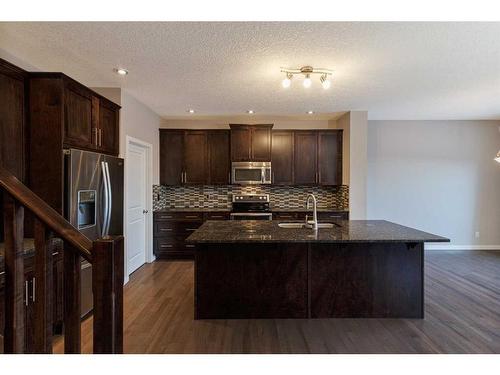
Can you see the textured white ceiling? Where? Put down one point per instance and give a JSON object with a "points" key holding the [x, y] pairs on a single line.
{"points": [[392, 70]]}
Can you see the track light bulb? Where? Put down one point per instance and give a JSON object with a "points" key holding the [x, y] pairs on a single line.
{"points": [[286, 82], [307, 81], [325, 82]]}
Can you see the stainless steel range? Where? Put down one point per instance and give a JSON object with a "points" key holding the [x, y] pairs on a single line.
{"points": [[251, 207]]}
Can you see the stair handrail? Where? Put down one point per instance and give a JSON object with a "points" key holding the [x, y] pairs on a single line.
{"points": [[46, 214]]}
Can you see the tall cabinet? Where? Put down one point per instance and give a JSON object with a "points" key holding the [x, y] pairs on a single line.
{"points": [[65, 114]]}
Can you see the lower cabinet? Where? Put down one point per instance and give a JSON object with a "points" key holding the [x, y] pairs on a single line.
{"points": [[172, 228], [301, 215], [29, 295]]}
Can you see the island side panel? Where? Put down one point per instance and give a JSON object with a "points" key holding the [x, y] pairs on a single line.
{"points": [[367, 280], [236, 281]]}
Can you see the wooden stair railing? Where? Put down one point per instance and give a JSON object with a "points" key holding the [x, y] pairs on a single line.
{"points": [[105, 255]]}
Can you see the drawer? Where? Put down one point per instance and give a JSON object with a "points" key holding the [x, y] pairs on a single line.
{"points": [[284, 215], [333, 216], [216, 216], [175, 228], [173, 248], [168, 216]]}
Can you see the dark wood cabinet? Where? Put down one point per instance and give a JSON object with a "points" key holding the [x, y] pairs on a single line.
{"points": [[241, 138], [88, 120], [65, 114], [298, 157], [306, 158], [282, 157], [250, 142], [108, 127], [195, 157], [218, 157], [12, 118], [171, 155], [330, 157], [261, 143], [29, 295], [78, 130], [172, 228], [318, 157], [323, 216]]}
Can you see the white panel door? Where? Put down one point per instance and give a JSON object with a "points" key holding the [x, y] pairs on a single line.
{"points": [[136, 206]]}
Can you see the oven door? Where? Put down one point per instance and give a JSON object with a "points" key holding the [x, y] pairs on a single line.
{"points": [[251, 216]]}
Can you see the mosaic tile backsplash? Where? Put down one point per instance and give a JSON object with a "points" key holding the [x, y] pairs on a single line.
{"points": [[208, 196]]}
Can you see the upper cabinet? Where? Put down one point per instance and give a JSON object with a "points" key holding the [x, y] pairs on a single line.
{"points": [[318, 157], [218, 157], [194, 157], [298, 157], [171, 157], [330, 157], [78, 129], [282, 157], [251, 142], [12, 118], [108, 140], [89, 121], [306, 157]]}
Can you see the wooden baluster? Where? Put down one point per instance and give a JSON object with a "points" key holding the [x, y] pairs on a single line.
{"points": [[43, 289], [72, 301], [107, 287], [14, 275]]}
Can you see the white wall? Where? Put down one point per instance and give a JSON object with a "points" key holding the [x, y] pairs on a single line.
{"points": [[138, 121], [437, 176]]}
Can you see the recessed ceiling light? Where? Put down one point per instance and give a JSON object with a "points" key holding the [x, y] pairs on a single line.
{"points": [[310, 112], [191, 110], [250, 112], [121, 71]]}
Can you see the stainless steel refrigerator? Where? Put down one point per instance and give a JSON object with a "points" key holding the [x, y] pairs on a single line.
{"points": [[93, 203]]}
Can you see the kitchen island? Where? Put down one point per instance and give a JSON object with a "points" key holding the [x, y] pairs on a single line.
{"points": [[357, 269]]}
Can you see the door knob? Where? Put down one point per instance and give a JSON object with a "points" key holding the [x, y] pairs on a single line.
{"points": [[145, 211]]}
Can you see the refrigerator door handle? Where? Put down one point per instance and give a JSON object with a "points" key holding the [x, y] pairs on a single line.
{"points": [[110, 197], [106, 199]]}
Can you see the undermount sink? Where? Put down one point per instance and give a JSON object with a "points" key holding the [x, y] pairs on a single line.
{"points": [[303, 225]]}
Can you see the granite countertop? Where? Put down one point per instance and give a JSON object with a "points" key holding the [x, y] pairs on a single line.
{"points": [[273, 209], [346, 231]]}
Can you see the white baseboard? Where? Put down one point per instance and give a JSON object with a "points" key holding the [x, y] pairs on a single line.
{"points": [[445, 246]]}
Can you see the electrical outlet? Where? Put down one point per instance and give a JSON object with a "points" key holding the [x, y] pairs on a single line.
{"points": [[157, 197], [476, 234]]}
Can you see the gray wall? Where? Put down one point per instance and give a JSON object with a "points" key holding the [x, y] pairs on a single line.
{"points": [[438, 176]]}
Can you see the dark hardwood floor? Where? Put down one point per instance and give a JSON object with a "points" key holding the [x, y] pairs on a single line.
{"points": [[462, 306]]}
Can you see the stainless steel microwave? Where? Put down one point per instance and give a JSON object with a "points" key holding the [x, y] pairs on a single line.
{"points": [[251, 173]]}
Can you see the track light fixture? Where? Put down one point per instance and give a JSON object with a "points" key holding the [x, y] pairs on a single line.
{"points": [[306, 71]]}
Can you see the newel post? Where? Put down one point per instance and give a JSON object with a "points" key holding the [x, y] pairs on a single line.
{"points": [[107, 287]]}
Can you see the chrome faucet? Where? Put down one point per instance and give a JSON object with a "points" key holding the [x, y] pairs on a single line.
{"points": [[314, 224]]}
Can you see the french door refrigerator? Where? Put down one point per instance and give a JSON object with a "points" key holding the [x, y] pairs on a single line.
{"points": [[93, 203]]}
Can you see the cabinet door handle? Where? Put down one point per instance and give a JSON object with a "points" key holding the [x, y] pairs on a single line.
{"points": [[26, 292], [100, 137], [94, 134], [165, 246], [166, 216], [33, 290], [165, 230], [216, 217], [191, 217], [189, 245], [191, 229], [185, 177]]}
